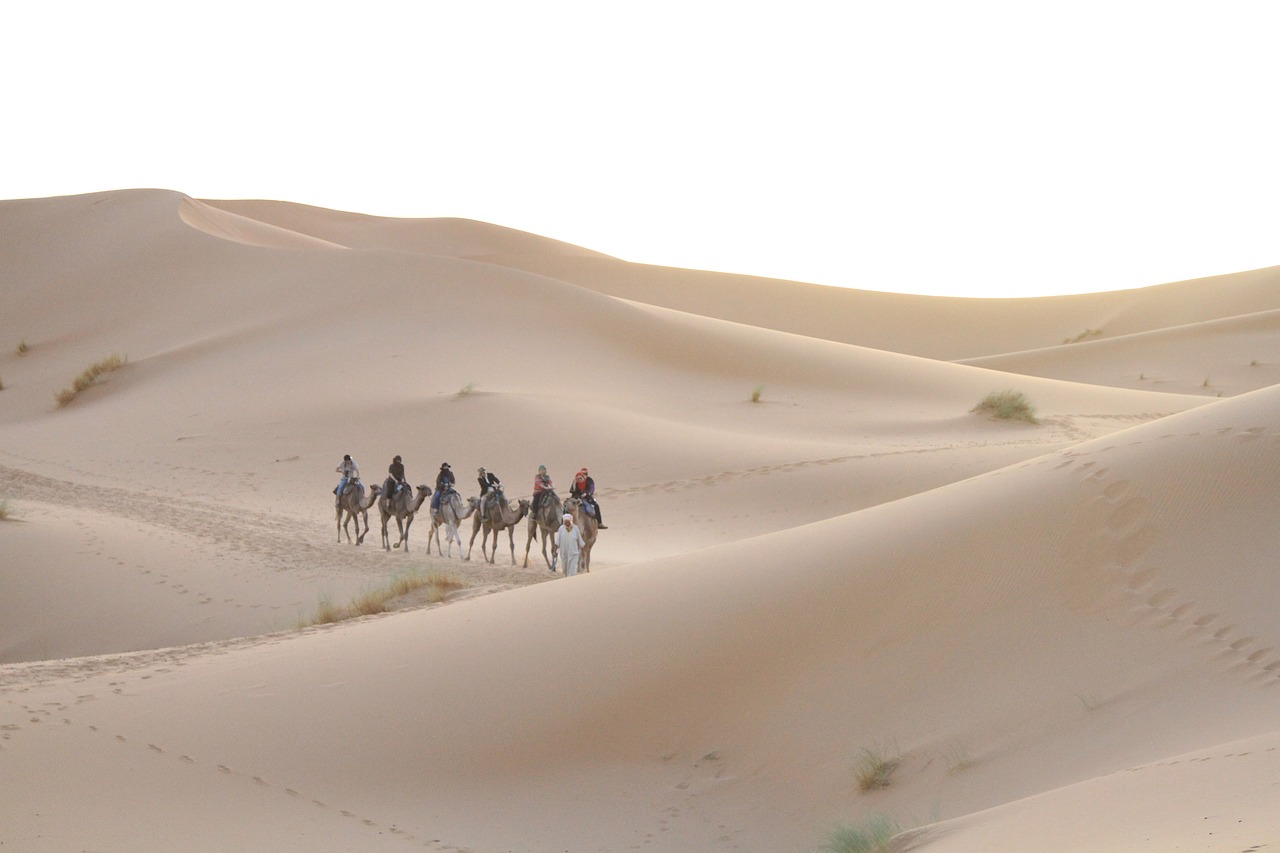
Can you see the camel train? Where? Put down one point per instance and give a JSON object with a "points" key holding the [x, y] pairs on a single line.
{"points": [[353, 503]]}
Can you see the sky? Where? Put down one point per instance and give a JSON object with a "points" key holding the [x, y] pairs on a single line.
{"points": [[987, 149]]}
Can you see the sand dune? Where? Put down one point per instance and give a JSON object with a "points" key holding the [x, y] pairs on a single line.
{"points": [[1063, 632]]}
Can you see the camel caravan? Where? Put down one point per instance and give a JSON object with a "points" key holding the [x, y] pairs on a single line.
{"points": [[574, 520]]}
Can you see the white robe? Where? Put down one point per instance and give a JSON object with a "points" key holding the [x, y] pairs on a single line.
{"points": [[570, 543]]}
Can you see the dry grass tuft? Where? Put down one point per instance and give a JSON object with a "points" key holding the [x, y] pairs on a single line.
{"points": [[23, 349], [875, 768], [90, 377], [756, 392], [1083, 336], [1007, 405], [374, 601], [6, 514], [957, 757]]}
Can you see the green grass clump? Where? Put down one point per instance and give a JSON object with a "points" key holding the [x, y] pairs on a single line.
{"points": [[467, 390], [1007, 406], [89, 377], [872, 835], [374, 601]]}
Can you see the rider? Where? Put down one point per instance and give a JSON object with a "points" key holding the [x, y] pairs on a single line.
{"points": [[349, 471], [395, 479], [444, 482], [584, 489], [541, 488], [489, 485]]}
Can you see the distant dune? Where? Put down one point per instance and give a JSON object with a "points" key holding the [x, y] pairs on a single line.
{"points": [[1058, 636]]}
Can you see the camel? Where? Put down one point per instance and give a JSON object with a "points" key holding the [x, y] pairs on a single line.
{"points": [[403, 507], [587, 524], [349, 503], [501, 517], [546, 521], [449, 515]]}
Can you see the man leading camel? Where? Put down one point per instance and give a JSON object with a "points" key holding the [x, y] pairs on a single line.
{"points": [[570, 543]]}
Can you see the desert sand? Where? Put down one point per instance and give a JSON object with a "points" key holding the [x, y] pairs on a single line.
{"points": [[1060, 635]]}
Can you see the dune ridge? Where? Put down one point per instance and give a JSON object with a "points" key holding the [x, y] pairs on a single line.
{"points": [[1063, 632]]}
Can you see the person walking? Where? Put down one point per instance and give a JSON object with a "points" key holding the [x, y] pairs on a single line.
{"points": [[570, 543]]}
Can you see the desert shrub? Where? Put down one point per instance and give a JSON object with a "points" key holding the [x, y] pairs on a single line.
{"points": [[875, 768], [1007, 405], [756, 392], [89, 377], [374, 601], [1083, 336], [5, 513], [871, 835], [957, 757], [22, 347], [467, 390], [326, 612]]}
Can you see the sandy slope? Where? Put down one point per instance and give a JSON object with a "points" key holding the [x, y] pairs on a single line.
{"points": [[1037, 618]]}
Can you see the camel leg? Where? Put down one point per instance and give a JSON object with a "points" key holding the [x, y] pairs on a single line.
{"points": [[360, 536], [511, 540], [404, 537], [400, 528], [533, 533], [339, 525], [475, 529], [386, 540]]}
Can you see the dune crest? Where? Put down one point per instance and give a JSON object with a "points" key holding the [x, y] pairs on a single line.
{"points": [[231, 226]]}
